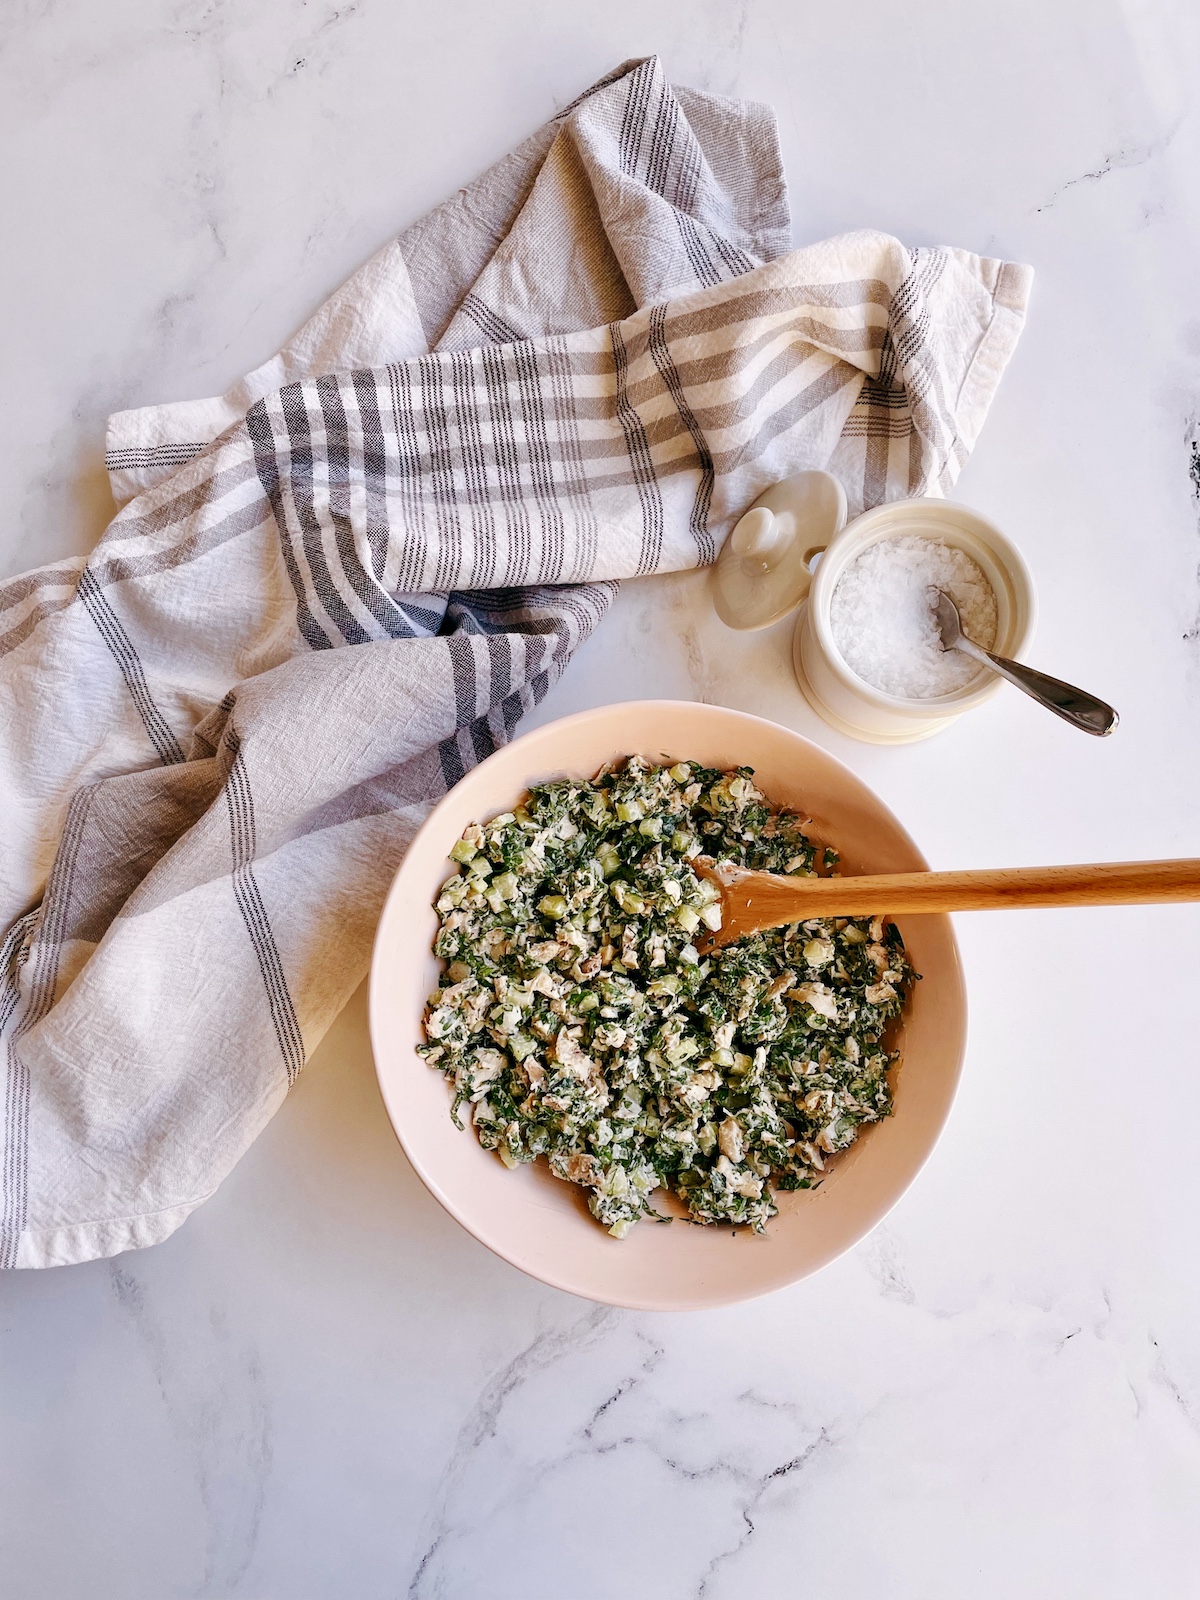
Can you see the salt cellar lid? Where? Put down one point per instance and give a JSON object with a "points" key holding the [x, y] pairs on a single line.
{"points": [[764, 570]]}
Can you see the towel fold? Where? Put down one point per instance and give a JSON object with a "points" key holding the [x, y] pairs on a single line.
{"points": [[580, 368]]}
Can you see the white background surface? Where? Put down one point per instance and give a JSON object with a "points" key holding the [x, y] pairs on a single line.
{"points": [[321, 1386]]}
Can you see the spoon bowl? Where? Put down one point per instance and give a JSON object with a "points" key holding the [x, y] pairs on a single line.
{"points": [[1081, 710]]}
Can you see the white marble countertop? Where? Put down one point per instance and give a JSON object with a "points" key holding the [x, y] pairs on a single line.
{"points": [[321, 1386]]}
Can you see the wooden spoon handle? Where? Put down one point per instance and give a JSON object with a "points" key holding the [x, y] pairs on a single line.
{"points": [[767, 900]]}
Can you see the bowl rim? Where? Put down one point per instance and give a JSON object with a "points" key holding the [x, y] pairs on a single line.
{"points": [[562, 1280]]}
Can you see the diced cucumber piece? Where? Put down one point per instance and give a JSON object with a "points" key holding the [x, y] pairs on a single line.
{"points": [[608, 856]]}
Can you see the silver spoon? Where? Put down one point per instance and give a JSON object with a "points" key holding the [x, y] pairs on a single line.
{"points": [[1081, 710]]}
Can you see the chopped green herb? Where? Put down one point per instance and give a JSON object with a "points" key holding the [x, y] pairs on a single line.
{"points": [[578, 1021]]}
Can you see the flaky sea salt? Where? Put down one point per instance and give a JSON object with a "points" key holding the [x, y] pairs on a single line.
{"points": [[883, 623]]}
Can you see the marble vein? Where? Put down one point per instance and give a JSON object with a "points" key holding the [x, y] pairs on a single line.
{"points": [[1119, 160], [634, 1427], [220, 1412]]}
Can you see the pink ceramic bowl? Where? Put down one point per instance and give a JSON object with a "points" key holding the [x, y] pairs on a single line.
{"points": [[541, 1224]]}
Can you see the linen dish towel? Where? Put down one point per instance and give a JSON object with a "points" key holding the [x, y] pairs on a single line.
{"points": [[339, 586]]}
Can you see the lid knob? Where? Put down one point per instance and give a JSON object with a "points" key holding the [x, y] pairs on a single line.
{"points": [[757, 535]]}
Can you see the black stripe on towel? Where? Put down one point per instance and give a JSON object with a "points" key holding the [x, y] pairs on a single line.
{"points": [[638, 447], [660, 350], [40, 933], [108, 625], [249, 899]]}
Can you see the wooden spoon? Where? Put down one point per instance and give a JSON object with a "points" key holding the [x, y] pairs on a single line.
{"points": [[751, 901]]}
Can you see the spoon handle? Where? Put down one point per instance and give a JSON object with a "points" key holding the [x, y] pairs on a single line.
{"points": [[1081, 710], [755, 900]]}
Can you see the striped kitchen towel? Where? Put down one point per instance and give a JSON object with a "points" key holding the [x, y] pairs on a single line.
{"points": [[582, 367]]}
